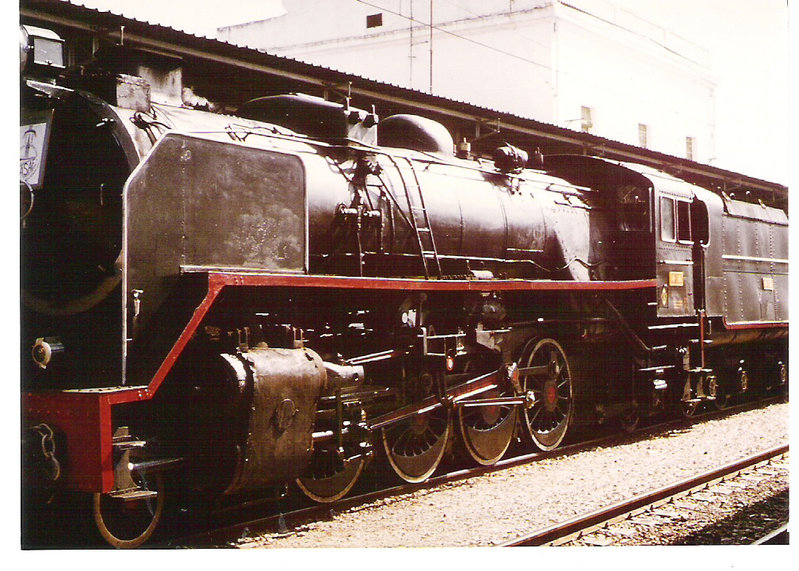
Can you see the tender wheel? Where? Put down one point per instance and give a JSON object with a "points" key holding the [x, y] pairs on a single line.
{"points": [[129, 522], [549, 381], [629, 420], [722, 400], [330, 477], [487, 431], [415, 446], [781, 387], [688, 409]]}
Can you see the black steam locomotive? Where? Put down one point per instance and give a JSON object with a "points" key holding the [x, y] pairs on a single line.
{"points": [[218, 305]]}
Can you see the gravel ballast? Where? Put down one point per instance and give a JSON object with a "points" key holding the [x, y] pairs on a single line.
{"points": [[498, 507]]}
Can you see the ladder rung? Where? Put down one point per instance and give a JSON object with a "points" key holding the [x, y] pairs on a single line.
{"points": [[415, 198]]}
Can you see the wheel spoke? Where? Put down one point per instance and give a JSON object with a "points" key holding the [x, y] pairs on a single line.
{"points": [[537, 412]]}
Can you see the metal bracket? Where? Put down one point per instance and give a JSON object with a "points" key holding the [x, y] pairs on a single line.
{"points": [[488, 123]]}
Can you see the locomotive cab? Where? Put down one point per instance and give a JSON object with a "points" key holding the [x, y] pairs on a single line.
{"points": [[661, 229], [674, 251], [627, 200], [688, 248]]}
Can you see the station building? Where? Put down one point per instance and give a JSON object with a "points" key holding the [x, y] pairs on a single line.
{"points": [[588, 66]]}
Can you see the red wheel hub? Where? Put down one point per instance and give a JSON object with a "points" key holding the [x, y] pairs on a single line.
{"points": [[550, 395]]}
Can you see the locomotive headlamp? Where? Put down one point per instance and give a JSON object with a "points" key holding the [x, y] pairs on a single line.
{"points": [[44, 348], [41, 50]]}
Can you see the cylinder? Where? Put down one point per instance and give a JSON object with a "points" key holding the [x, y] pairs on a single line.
{"points": [[276, 414]]}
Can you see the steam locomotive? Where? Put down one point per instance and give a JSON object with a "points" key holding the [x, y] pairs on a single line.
{"points": [[218, 305]]}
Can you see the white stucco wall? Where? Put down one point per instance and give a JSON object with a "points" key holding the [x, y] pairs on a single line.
{"points": [[507, 78], [544, 60], [628, 81], [312, 21]]}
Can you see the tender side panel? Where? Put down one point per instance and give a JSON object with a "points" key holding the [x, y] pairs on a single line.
{"points": [[755, 262]]}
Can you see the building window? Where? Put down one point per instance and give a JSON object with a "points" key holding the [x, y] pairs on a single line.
{"points": [[643, 135], [586, 119], [374, 20], [690, 143]]}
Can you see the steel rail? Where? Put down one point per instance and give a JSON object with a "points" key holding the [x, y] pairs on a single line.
{"points": [[779, 536], [621, 510], [282, 521]]}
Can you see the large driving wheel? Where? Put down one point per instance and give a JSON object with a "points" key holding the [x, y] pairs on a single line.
{"points": [[487, 431], [416, 445], [128, 520], [330, 477], [548, 379]]}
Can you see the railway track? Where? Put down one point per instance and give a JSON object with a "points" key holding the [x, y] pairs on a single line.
{"points": [[586, 525], [779, 536], [286, 520]]}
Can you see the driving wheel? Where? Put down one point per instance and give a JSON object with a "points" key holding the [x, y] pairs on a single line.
{"points": [[546, 378], [416, 445], [487, 431], [330, 477], [629, 420]]}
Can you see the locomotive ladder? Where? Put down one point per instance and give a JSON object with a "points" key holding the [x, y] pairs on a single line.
{"points": [[419, 219]]}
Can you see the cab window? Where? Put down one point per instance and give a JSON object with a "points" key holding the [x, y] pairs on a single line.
{"points": [[633, 208], [684, 221], [667, 220]]}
